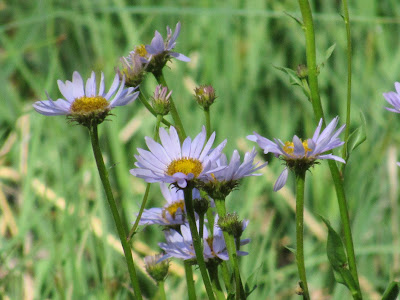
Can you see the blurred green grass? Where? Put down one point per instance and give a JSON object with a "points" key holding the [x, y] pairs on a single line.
{"points": [[52, 251]]}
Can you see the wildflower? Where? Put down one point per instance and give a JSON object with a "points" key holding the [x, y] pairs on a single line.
{"points": [[222, 182], [84, 103], [180, 245], [172, 213], [231, 224], [161, 103], [301, 155], [394, 99], [157, 270], [205, 95], [159, 47], [133, 68], [170, 162]]}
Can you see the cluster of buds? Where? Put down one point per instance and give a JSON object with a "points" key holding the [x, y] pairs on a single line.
{"points": [[205, 96]]}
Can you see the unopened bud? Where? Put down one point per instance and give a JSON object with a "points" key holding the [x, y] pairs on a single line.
{"points": [[161, 103], [302, 71], [205, 95], [157, 270]]}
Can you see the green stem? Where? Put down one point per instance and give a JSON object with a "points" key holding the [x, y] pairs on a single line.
{"points": [[308, 27], [189, 280], [198, 249], [231, 247], [142, 99], [300, 178], [201, 226], [226, 276], [208, 122], [213, 271], [346, 18], [161, 290], [146, 193], [117, 220], [174, 113]]}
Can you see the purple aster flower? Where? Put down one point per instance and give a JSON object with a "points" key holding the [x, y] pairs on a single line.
{"points": [[159, 46], [393, 98], [301, 152], [170, 162], [172, 213], [180, 245], [85, 102]]}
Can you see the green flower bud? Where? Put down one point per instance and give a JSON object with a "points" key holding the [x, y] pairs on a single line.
{"points": [[157, 271]]}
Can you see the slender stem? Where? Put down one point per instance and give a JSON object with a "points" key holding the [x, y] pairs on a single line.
{"points": [[226, 276], [231, 247], [349, 51], [300, 178], [213, 271], [189, 280], [142, 99], [198, 249], [146, 193], [201, 226], [117, 220], [174, 113], [308, 27], [208, 121], [161, 290]]}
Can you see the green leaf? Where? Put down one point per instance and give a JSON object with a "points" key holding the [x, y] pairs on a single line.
{"points": [[291, 250], [251, 282], [392, 291], [357, 137], [335, 249], [295, 80], [328, 54], [338, 259], [298, 21]]}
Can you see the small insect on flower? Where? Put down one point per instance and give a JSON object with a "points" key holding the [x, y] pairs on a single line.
{"points": [[84, 103], [170, 162], [301, 155]]}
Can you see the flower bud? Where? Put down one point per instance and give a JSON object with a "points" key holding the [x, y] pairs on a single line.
{"points": [[133, 68], [231, 224], [302, 71], [201, 206], [157, 270], [205, 95], [161, 103]]}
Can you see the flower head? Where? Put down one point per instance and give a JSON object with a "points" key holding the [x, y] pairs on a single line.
{"points": [[221, 183], [299, 154], [158, 270], [160, 47], [86, 104], [180, 245], [133, 68], [170, 162], [394, 99], [205, 95], [172, 213], [161, 102]]}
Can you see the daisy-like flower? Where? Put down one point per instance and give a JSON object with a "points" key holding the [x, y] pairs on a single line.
{"points": [[299, 154], [160, 47], [172, 213], [170, 162], [394, 99], [222, 182], [84, 103], [180, 245]]}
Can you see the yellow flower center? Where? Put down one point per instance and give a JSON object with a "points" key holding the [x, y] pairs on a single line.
{"points": [[141, 50], [185, 165], [289, 147], [173, 208], [85, 105]]}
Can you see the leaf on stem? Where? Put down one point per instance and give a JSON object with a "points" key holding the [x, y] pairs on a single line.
{"points": [[392, 291], [251, 282], [294, 79], [338, 258]]}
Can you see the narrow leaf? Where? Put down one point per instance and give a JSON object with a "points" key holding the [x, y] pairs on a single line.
{"points": [[392, 291], [357, 137]]}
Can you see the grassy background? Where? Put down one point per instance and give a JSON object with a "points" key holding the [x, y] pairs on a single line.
{"points": [[57, 240]]}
